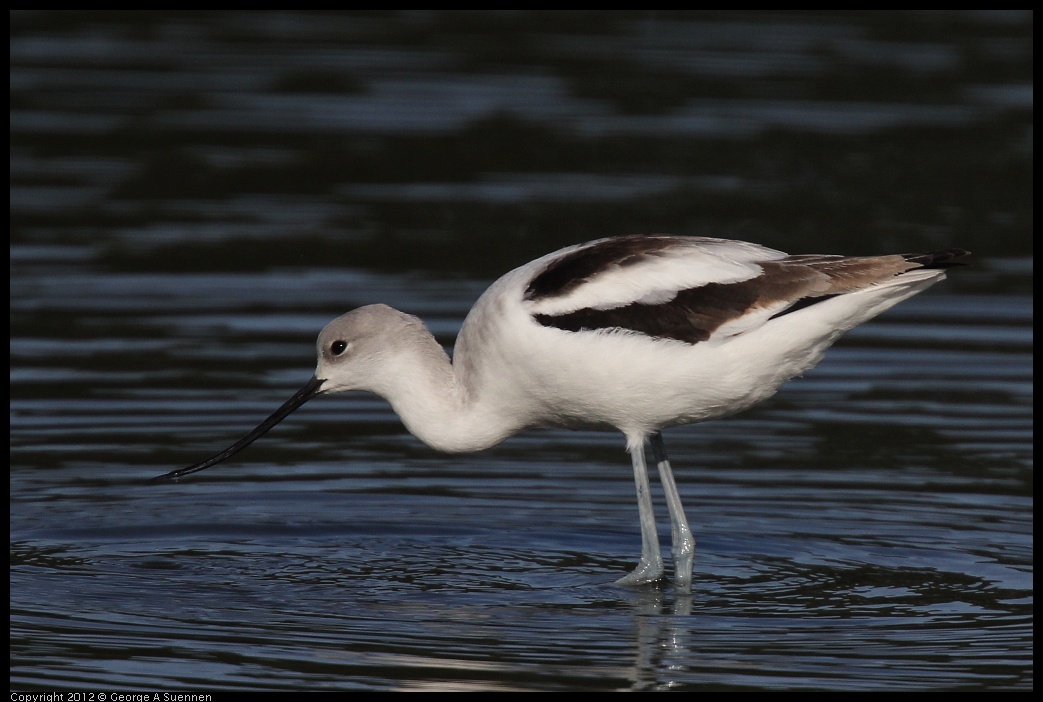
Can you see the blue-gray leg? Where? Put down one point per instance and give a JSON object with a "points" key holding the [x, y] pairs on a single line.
{"points": [[683, 543], [650, 568]]}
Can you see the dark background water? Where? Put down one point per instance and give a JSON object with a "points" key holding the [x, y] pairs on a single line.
{"points": [[194, 195]]}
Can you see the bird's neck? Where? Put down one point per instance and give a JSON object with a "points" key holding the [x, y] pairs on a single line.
{"points": [[436, 406]]}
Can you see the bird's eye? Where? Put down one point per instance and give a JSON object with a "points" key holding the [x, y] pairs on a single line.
{"points": [[338, 347]]}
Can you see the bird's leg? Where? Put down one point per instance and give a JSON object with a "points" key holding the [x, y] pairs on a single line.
{"points": [[650, 568], [683, 543]]}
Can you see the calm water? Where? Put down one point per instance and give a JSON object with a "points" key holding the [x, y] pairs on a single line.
{"points": [[194, 196]]}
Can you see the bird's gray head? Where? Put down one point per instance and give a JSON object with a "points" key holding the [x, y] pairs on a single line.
{"points": [[358, 349]]}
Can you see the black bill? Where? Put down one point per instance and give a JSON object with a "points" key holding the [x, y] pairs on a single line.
{"points": [[310, 390]]}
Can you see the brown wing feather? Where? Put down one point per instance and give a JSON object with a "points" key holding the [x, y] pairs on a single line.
{"points": [[787, 284]]}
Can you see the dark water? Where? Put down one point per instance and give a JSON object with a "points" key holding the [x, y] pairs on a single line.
{"points": [[193, 196]]}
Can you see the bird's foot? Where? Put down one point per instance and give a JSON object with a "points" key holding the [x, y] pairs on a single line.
{"points": [[647, 571], [684, 558]]}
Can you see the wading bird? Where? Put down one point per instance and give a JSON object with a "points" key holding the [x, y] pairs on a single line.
{"points": [[633, 333]]}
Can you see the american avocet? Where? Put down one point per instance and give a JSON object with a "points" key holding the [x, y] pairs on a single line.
{"points": [[634, 333]]}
